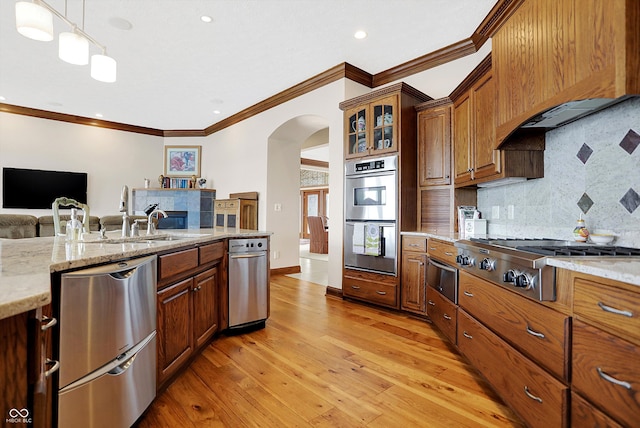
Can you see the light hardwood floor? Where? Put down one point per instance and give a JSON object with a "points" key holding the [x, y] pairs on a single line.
{"points": [[322, 361]]}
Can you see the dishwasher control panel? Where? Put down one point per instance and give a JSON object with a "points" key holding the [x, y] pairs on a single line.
{"points": [[250, 245]]}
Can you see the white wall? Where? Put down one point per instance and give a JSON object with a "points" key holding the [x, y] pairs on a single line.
{"points": [[111, 158]]}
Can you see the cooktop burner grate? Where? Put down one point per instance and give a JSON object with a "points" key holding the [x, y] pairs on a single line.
{"points": [[580, 250]]}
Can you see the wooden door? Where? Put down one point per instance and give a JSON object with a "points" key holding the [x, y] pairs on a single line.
{"points": [[384, 117], [486, 159], [356, 135], [205, 306], [462, 140], [174, 329], [434, 146], [314, 203], [413, 282]]}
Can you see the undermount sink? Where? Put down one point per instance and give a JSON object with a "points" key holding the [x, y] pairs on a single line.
{"points": [[147, 238]]}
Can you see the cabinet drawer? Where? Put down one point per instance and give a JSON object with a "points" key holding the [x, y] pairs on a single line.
{"points": [[414, 243], [443, 251], [534, 329], [443, 313], [382, 294], [614, 309], [536, 396], [583, 414], [211, 252], [175, 263], [606, 370]]}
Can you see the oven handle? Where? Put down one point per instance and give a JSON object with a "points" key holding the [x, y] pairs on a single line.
{"points": [[441, 266]]}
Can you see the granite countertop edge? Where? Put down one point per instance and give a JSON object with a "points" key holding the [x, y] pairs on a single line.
{"points": [[26, 265]]}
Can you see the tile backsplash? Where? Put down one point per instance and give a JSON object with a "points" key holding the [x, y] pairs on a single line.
{"points": [[592, 168]]}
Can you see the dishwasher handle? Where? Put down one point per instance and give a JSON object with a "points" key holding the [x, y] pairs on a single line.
{"points": [[248, 255]]}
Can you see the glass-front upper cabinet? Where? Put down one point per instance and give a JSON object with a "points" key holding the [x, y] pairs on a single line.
{"points": [[371, 128]]}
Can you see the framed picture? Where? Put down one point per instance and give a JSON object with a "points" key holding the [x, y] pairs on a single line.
{"points": [[182, 161]]}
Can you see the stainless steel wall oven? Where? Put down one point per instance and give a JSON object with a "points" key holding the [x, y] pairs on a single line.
{"points": [[371, 213]]}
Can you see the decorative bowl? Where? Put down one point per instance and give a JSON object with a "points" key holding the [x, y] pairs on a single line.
{"points": [[601, 238]]}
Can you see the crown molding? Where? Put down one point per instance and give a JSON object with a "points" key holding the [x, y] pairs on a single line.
{"points": [[78, 120]]}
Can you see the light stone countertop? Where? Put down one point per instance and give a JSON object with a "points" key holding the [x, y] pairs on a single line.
{"points": [[623, 269], [26, 265]]}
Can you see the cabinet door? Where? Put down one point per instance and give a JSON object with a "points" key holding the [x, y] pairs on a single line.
{"points": [[434, 146], [205, 306], [174, 329], [356, 137], [462, 140], [486, 159], [384, 125], [413, 282]]}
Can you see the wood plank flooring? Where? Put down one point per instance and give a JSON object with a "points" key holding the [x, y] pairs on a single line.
{"points": [[325, 362]]}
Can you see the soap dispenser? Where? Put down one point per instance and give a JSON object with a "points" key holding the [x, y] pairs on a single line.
{"points": [[74, 227], [580, 233]]}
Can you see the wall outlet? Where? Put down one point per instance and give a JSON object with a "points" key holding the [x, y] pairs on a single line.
{"points": [[495, 212], [276, 254], [511, 212], [277, 207]]}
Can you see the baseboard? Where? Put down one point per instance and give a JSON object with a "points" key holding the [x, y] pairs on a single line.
{"points": [[334, 292], [285, 270]]}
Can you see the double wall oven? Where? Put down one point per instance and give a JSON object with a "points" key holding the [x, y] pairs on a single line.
{"points": [[371, 213]]}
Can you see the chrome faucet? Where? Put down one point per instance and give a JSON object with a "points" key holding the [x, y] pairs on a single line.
{"points": [[151, 227], [124, 209]]}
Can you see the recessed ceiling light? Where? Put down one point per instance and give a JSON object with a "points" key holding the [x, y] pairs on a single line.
{"points": [[120, 23], [206, 18], [360, 34], [216, 112], [2, 98], [98, 114]]}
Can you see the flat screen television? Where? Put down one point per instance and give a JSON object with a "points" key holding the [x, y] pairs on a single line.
{"points": [[35, 188]]}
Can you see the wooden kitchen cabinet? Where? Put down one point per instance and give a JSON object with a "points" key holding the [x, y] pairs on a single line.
{"points": [[413, 274], [371, 287], [240, 213], [606, 348], [535, 330], [549, 52], [443, 313], [536, 396], [476, 158], [379, 122], [188, 305]]}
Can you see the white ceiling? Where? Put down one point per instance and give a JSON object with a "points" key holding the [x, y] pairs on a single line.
{"points": [[174, 70]]}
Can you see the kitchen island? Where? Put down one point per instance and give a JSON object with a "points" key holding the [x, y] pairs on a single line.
{"points": [[26, 265]]}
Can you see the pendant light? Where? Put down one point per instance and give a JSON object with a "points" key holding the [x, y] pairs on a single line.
{"points": [[103, 68], [73, 48], [34, 21]]}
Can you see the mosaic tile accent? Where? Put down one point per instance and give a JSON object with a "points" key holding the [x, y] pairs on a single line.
{"points": [[630, 200], [313, 178], [630, 141], [584, 153], [585, 203]]}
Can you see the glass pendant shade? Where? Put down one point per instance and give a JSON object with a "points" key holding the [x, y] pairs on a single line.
{"points": [[73, 48], [34, 21], [103, 68]]}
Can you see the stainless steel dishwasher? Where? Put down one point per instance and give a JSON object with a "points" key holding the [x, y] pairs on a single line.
{"points": [[248, 283], [107, 346]]}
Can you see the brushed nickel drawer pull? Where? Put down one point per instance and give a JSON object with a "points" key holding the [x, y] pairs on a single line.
{"points": [[612, 379], [614, 310], [534, 333], [382, 293], [355, 287], [432, 248], [414, 245], [466, 293], [447, 253], [530, 395], [431, 303], [50, 322], [56, 366], [447, 317], [467, 335]]}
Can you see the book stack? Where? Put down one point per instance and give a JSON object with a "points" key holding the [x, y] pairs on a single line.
{"points": [[177, 183]]}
